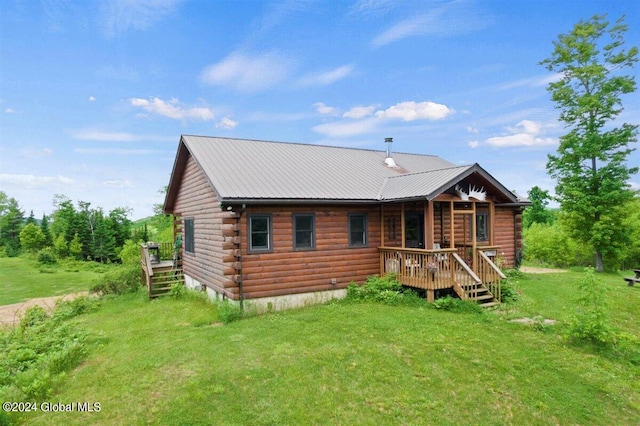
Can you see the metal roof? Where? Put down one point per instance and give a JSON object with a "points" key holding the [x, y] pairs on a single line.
{"points": [[242, 170]]}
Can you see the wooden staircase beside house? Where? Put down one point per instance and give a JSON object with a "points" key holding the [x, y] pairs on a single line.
{"points": [[159, 269]]}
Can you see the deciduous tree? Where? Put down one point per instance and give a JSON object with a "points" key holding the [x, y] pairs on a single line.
{"points": [[590, 166]]}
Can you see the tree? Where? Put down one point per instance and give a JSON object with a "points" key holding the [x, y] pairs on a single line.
{"points": [[590, 166], [11, 220], [31, 237], [537, 212], [44, 227]]}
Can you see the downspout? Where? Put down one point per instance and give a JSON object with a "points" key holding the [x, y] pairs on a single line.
{"points": [[240, 287]]}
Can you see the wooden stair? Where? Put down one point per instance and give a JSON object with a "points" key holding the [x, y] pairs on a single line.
{"points": [[480, 294], [163, 279]]}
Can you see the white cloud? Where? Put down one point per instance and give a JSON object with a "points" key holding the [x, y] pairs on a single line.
{"points": [[248, 73], [350, 128], [473, 129], [538, 81], [323, 109], [474, 144], [97, 135], [227, 123], [360, 112], [9, 111], [33, 181], [126, 183], [453, 18], [173, 109], [92, 98], [37, 153], [119, 16], [116, 151], [525, 133], [327, 77], [410, 111]]}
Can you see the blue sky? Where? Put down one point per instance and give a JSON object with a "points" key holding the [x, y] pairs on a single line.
{"points": [[95, 95]]}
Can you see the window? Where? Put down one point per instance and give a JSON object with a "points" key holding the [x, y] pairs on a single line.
{"points": [[357, 230], [482, 226], [303, 232], [189, 243], [259, 232]]}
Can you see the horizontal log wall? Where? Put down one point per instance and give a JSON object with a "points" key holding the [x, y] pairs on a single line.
{"points": [[508, 233], [287, 271], [212, 257]]}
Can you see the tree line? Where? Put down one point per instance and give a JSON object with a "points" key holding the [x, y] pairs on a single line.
{"points": [[77, 231]]}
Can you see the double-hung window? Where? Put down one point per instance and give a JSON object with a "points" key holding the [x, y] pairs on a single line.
{"points": [[357, 230], [304, 232], [482, 226], [260, 239]]}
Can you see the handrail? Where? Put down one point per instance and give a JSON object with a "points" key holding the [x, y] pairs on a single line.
{"points": [[492, 275]]}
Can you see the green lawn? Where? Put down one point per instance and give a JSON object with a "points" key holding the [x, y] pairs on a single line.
{"points": [[170, 362], [22, 279]]}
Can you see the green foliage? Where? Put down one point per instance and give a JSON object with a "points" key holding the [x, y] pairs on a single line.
{"points": [[591, 323], [61, 247], [386, 290], [31, 237], [11, 220], [538, 211], [551, 245], [130, 253], [178, 290], [35, 355], [46, 256], [228, 312], [508, 292], [453, 304], [590, 166], [75, 247], [119, 280]]}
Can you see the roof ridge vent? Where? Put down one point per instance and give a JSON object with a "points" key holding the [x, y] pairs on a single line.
{"points": [[389, 161]]}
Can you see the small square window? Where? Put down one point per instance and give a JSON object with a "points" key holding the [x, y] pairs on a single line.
{"points": [[357, 230], [259, 233], [303, 231]]}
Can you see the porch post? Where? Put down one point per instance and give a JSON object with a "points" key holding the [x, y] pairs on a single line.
{"points": [[452, 231], [402, 223], [382, 225], [428, 225], [474, 242]]}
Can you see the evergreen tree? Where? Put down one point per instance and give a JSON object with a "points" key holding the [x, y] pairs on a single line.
{"points": [[31, 219], [44, 227], [11, 222], [103, 247]]}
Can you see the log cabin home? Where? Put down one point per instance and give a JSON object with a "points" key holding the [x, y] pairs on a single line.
{"points": [[277, 225]]}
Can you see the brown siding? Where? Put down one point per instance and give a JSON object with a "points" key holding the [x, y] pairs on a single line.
{"points": [[196, 199], [508, 226], [287, 271]]}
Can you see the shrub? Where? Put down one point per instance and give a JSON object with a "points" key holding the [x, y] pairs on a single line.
{"points": [[591, 323], [119, 280], [387, 290], [228, 312], [453, 304], [46, 256], [34, 355]]}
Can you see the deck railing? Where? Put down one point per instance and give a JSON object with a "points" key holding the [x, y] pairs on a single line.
{"points": [[156, 259], [428, 269], [489, 272]]}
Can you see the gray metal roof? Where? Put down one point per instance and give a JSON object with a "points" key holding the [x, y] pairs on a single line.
{"points": [[244, 170]]}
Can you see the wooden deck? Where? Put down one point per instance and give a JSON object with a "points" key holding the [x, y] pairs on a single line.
{"points": [[433, 270], [160, 268]]}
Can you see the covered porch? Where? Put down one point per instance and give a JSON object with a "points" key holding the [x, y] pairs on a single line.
{"points": [[444, 243]]}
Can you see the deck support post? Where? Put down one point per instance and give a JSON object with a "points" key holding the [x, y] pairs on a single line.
{"points": [[431, 296]]}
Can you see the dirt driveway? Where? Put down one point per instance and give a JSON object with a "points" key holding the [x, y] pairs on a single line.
{"points": [[11, 314]]}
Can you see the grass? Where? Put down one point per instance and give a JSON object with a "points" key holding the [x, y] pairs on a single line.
{"points": [[22, 278], [170, 362]]}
